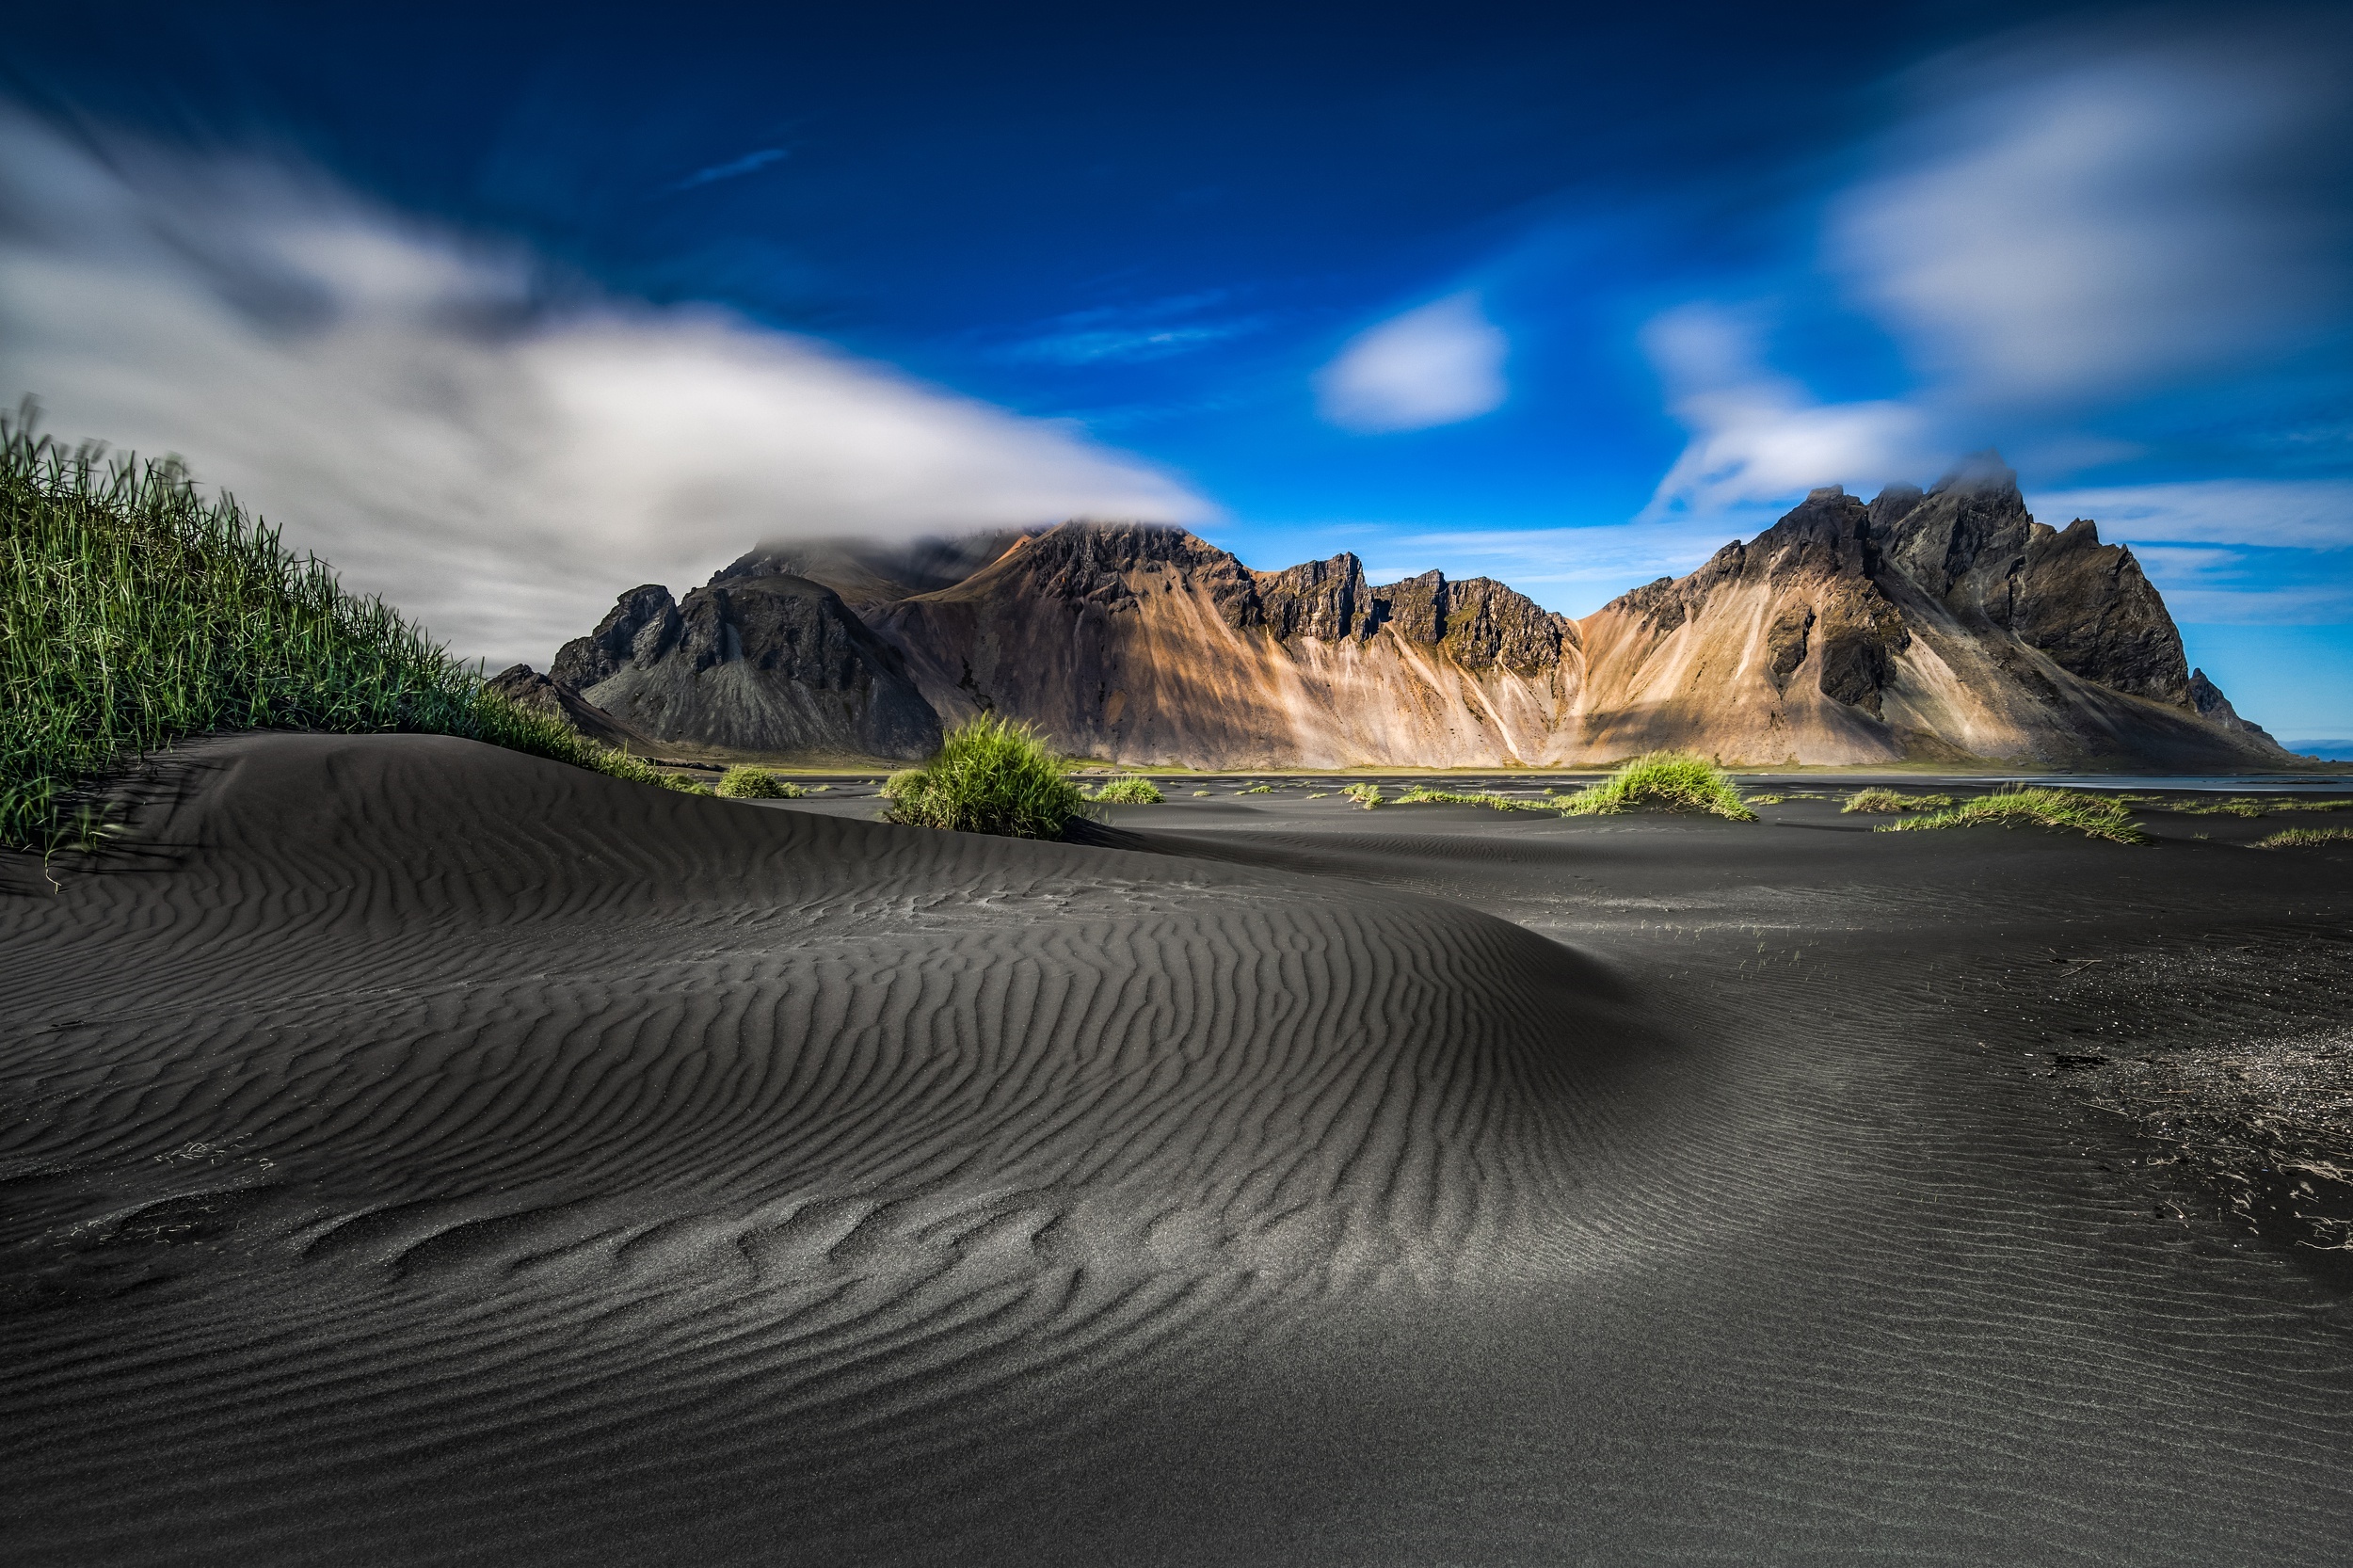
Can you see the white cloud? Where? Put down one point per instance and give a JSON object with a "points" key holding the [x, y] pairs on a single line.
{"points": [[2067, 221], [2301, 514], [496, 456], [2076, 215], [1439, 364], [1756, 435]]}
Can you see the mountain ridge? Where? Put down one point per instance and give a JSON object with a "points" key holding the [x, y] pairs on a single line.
{"points": [[1944, 625]]}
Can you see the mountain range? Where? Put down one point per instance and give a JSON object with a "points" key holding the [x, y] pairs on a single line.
{"points": [[1943, 626]]}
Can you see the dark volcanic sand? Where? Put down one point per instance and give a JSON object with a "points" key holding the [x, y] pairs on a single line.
{"points": [[418, 1153]]}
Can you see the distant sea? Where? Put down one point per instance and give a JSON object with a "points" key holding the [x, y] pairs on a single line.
{"points": [[2330, 751]]}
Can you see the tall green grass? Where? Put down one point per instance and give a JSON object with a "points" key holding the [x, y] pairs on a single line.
{"points": [[1424, 794], [1662, 781], [745, 782], [134, 614], [1130, 789], [990, 776], [2305, 838], [2096, 816]]}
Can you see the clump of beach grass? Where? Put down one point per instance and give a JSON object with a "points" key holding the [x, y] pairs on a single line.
{"points": [[1422, 794], [1131, 789], [2095, 816], [135, 614], [745, 782], [2237, 806], [1885, 801], [1662, 781], [1365, 795], [2305, 838], [990, 776]]}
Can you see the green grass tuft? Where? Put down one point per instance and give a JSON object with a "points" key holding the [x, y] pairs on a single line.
{"points": [[991, 776], [1131, 790], [2237, 806], [2096, 816], [2305, 838], [1365, 795], [1888, 801], [135, 614], [744, 782], [1422, 794], [1662, 781]]}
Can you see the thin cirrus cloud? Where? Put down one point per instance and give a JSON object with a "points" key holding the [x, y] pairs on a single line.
{"points": [[420, 409], [1129, 335], [750, 163], [1438, 364], [2075, 222]]}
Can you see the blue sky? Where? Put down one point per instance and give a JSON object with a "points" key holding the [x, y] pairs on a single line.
{"points": [[505, 310]]}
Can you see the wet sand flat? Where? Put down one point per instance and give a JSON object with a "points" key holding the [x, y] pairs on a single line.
{"points": [[418, 1153]]}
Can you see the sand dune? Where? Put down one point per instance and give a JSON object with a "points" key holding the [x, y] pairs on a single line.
{"points": [[421, 1153], [425, 1093]]}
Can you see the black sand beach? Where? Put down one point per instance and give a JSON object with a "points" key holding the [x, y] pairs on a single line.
{"points": [[418, 1153]]}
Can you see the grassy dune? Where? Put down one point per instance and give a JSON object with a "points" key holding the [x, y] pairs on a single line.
{"points": [[1662, 781], [135, 614], [2095, 816], [991, 776]]}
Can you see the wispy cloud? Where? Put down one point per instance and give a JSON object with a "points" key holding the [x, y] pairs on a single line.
{"points": [[750, 163], [1438, 364], [2080, 216], [2302, 514], [1756, 435], [2072, 222], [2215, 585], [409, 403], [1155, 330]]}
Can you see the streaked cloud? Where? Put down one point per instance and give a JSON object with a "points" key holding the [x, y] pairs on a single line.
{"points": [[1439, 364], [2075, 216], [2071, 222], [1155, 330], [1756, 435], [421, 408], [750, 163], [2303, 514]]}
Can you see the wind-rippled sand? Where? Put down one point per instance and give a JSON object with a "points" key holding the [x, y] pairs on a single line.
{"points": [[418, 1153]]}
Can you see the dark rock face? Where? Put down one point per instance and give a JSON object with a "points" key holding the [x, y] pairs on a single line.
{"points": [[1971, 544], [2216, 709], [1328, 599], [1821, 564], [771, 664], [527, 688], [640, 627], [1484, 624]]}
